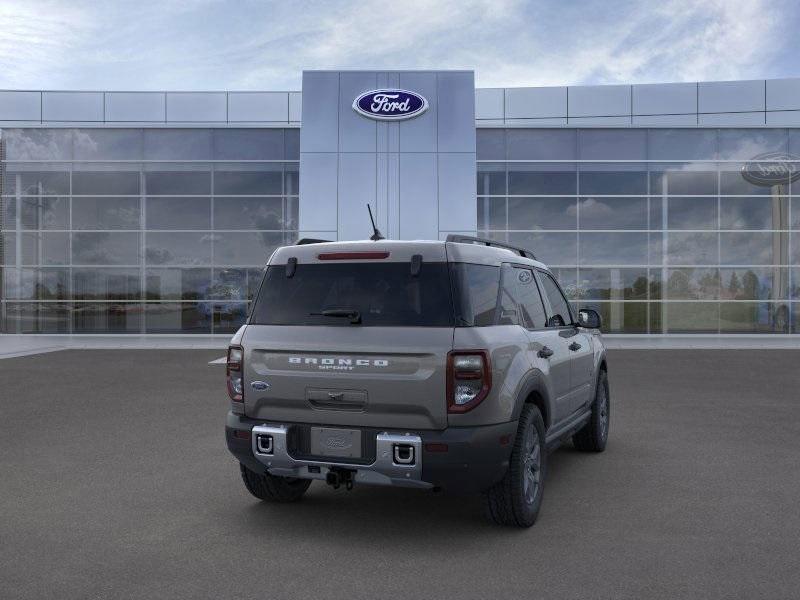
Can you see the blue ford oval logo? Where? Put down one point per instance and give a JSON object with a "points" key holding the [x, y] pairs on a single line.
{"points": [[259, 385], [390, 105]]}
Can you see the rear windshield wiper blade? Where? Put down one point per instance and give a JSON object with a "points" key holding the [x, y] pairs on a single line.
{"points": [[347, 313]]}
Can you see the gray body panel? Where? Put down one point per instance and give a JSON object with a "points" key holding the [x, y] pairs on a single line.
{"points": [[394, 379]]}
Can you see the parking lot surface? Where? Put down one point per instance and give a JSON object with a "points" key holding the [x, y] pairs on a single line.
{"points": [[115, 483]]}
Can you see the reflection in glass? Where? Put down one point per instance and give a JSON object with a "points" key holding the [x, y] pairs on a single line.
{"points": [[754, 317], [612, 249], [103, 248], [755, 283], [47, 248], [229, 284], [98, 183], [678, 182], [553, 249], [178, 183], [492, 213], [524, 182], [178, 284], [613, 284], [491, 179], [245, 248], [691, 213], [178, 144], [229, 317], [541, 144], [33, 317], [178, 248], [620, 317], [43, 183], [612, 144], [44, 212], [183, 317], [757, 212], [101, 317], [248, 144], [693, 284], [754, 248], [97, 283], [692, 248], [690, 317], [491, 144], [540, 213], [178, 213], [248, 213], [612, 213], [90, 212], [610, 183], [241, 182]]}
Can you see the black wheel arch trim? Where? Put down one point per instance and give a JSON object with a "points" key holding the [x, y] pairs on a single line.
{"points": [[534, 382]]}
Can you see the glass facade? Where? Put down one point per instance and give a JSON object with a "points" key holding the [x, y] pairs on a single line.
{"points": [[141, 230], [656, 229], [165, 230]]}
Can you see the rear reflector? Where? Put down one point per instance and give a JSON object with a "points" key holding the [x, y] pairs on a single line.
{"points": [[352, 255], [242, 434], [433, 447]]}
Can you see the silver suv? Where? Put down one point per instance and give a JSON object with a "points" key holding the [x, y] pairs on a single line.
{"points": [[451, 365]]}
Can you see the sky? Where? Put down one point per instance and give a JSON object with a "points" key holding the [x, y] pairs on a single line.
{"points": [[265, 45]]}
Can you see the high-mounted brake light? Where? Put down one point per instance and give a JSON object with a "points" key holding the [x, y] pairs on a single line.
{"points": [[352, 255], [234, 373], [469, 379]]}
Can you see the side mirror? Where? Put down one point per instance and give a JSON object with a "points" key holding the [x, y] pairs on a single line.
{"points": [[589, 319]]}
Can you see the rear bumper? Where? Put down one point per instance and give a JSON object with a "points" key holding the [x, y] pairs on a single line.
{"points": [[460, 459]]}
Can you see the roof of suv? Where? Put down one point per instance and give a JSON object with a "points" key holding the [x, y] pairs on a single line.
{"points": [[402, 251]]}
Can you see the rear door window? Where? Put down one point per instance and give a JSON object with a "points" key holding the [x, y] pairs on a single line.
{"points": [[561, 314], [475, 291], [383, 294]]}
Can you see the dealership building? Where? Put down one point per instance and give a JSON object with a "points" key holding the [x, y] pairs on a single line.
{"points": [[669, 208]]}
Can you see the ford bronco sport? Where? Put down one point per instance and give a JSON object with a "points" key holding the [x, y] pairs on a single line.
{"points": [[451, 364]]}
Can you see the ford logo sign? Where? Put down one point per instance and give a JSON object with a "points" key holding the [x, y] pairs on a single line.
{"points": [[390, 105], [772, 168]]}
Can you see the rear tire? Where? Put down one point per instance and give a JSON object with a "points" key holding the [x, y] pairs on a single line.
{"points": [[594, 435], [273, 489], [516, 499]]}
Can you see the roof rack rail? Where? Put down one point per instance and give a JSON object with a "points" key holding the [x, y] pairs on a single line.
{"points": [[466, 239], [304, 241]]}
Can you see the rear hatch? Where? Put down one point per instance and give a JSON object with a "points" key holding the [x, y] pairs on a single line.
{"points": [[353, 335]]}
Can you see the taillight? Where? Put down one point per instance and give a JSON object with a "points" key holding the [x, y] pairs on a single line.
{"points": [[234, 373], [469, 379]]}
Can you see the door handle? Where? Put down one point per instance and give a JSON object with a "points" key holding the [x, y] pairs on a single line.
{"points": [[574, 346], [545, 352]]}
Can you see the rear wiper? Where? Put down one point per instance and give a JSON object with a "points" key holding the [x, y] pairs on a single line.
{"points": [[348, 313]]}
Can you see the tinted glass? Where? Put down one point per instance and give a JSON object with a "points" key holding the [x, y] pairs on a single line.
{"points": [[178, 183], [475, 289], [248, 182], [178, 213], [248, 213], [559, 307], [384, 294], [105, 213], [520, 285], [117, 183], [106, 284], [44, 212]]}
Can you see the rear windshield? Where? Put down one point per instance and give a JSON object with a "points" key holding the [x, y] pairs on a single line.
{"points": [[383, 294]]}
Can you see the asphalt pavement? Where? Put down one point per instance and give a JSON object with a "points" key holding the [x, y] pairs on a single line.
{"points": [[115, 483]]}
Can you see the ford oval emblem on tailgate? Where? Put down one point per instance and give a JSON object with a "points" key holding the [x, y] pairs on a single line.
{"points": [[259, 385]]}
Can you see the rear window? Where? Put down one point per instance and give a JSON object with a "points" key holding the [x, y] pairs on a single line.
{"points": [[383, 293]]}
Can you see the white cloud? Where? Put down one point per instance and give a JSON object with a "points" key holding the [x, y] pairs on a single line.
{"points": [[208, 44]]}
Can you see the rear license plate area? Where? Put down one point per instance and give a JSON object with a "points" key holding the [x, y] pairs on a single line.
{"points": [[330, 441]]}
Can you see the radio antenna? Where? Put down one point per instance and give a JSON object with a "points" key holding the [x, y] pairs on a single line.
{"points": [[376, 235]]}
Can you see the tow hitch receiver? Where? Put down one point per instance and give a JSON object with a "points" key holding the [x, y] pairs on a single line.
{"points": [[337, 477]]}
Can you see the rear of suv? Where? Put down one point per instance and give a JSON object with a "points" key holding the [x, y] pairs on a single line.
{"points": [[451, 365]]}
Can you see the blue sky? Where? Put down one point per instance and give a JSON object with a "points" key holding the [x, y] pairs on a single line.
{"points": [[251, 45]]}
